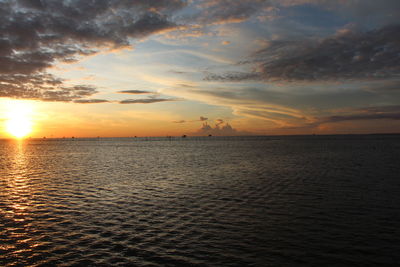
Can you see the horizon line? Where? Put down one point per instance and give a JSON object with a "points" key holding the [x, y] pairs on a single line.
{"points": [[190, 136]]}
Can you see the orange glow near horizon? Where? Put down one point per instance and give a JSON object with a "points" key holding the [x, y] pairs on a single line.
{"points": [[19, 119]]}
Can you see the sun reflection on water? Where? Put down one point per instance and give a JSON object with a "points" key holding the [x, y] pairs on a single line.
{"points": [[18, 182], [18, 199]]}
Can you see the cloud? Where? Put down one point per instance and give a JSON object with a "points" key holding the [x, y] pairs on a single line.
{"points": [[367, 113], [186, 85], [219, 122], [146, 100], [225, 130], [365, 11], [381, 109], [41, 86], [184, 121], [234, 76], [200, 119], [135, 92], [178, 72], [227, 11], [215, 12], [353, 55], [294, 106], [35, 35], [91, 101], [389, 86], [391, 116], [357, 116], [251, 98], [391, 112]]}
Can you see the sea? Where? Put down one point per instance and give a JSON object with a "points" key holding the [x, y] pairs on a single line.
{"points": [[201, 201]]}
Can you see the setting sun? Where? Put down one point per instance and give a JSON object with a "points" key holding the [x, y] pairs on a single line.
{"points": [[19, 122]]}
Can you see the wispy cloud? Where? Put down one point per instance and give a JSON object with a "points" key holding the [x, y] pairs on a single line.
{"points": [[184, 121], [367, 113], [135, 92], [146, 100], [91, 101], [353, 114], [226, 11]]}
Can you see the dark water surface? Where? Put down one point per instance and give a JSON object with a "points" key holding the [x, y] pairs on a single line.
{"points": [[259, 201]]}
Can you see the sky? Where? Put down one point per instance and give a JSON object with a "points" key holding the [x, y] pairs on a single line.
{"points": [[107, 68]]}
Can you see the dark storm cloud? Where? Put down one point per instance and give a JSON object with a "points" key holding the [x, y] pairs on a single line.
{"points": [[135, 92], [146, 100], [91, 101], [347, 56], [37, 34]]}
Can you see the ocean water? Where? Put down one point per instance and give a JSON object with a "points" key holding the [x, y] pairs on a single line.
{"points": [[244, 201]]}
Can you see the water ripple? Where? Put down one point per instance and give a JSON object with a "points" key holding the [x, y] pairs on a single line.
{"points": [[253, 201]]}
